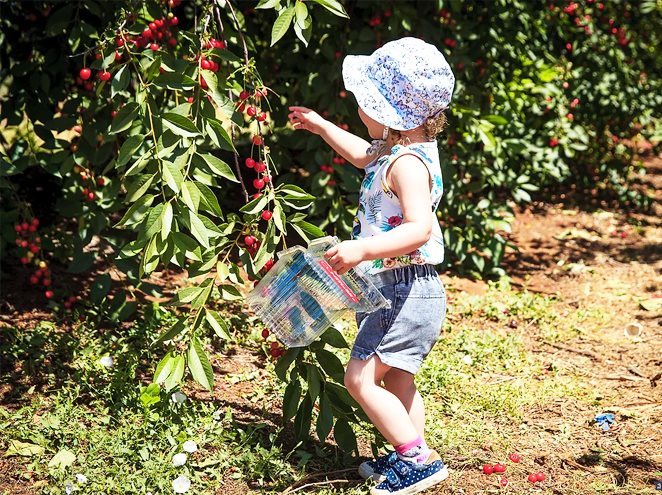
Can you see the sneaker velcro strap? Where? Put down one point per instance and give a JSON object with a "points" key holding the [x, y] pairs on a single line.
{"points": [[392, 478], [401, 468]]}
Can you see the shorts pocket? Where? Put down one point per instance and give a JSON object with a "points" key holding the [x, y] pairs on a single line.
{"points": [[421, 288]]}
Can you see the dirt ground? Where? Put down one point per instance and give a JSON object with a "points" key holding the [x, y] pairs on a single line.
{"points": [[604, 260]]}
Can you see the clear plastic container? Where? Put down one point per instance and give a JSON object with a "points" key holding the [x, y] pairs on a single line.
{"points": [[302, 296]]}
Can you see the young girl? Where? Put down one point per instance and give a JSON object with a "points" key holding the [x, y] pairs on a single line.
{"points": [[401, 90]]}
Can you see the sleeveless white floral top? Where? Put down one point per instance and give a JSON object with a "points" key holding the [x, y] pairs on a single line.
{"points": [[380, 211]]}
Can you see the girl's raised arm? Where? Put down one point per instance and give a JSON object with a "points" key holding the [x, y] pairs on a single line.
{"points": [[352, 148]]}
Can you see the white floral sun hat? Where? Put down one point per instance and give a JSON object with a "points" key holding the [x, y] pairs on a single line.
{"points": [[401, 84]]}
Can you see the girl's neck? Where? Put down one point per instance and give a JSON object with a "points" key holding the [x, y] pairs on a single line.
{"points": [[405, 138]]}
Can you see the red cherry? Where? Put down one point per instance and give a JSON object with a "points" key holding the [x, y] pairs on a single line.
{"points": [[34, 280], [257, 140], [17, 227], [34, 249], [540, 476], [25, 226], [488, 468], [119, 42], [249, 240], [275, 352], [258, 183], [46, 282], [147, 33], [251, 111], [189, 99], [152, 26], [267, 179], [172, 42], [154, 47], [85, 74], [205, 64], [174, 21], [266, 215], [203, 83], [113, 113], [90, 196], [503, 482], [243, 95], [553, 142], [101, 181], [533, 478], [35, 222], [566, 85], [48, 294], [570, 116], [265, 333], [67, 305], [499, 468], [250, 163], [25, 260], [260, 167], [262, 117], [105, 75], [88, 86], [514, 457]]}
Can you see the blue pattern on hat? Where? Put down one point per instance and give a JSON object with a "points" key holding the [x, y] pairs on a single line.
{"points": [[401, 84]]}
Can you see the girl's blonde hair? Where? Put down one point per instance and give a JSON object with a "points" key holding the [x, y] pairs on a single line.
{"points": [[432, 126]]}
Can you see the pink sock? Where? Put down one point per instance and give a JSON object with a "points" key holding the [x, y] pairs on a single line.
{"points": [[414, 451]]}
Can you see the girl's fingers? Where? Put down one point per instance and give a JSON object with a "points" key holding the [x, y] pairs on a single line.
{"points": [[299, 109]]}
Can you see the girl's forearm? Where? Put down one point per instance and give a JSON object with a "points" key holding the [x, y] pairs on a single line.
{"points": [[352, 148], [403, 239]]}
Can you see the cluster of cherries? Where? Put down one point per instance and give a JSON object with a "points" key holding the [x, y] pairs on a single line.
{"points": [[29, 240], [275, 349], [501, 468], [253, 111], [157, 31], [89, 183]]}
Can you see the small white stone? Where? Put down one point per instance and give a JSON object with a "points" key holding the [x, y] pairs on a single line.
{"points": [[107, 362], [81, 478], [467, 359], [178, 397], [181, 484], [179, 459], [190, 446], [68, 487]]}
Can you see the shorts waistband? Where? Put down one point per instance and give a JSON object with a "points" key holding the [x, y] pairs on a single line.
{"points": [[406, 274]]}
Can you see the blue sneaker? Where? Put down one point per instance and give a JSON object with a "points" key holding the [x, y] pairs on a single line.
{"points": [[406, 478], [377, 469]]}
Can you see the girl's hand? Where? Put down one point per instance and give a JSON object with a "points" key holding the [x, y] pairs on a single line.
{"points": [[345, 255], [305, 118]]}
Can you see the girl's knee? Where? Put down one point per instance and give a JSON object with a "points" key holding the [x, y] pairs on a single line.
{"points": [[352, 382]]}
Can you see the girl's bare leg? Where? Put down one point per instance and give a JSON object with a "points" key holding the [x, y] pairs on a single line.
{"points": [[401, 384], [386, 411]]}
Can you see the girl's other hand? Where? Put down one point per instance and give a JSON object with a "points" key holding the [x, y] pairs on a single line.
{"points": [[305, 118]]}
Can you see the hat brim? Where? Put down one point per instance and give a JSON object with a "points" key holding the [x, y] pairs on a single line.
{"points": [[367, 95]]}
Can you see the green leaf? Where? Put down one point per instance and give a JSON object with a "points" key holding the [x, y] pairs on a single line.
{"points": [[334, 338], [255, 205], [279, 218], [331, 364], [301, 12], [164, 368], [124, 118], [120, 80], [136, 212], [138, 187], [186, 295], [174, 80], [303, 418], [177, 373], [218, 324], [180, 125], [344, 435], [219, 135], [198, 229], [209, 200], [268, 4], [64, 458], [324, 418], [291, 399], [199, 364], [191, 195], [172, 175], [81, 262], [282, 24], [166, 220], [25, 449], [310, 229], [218, 166], [129, 147], [188, 246], [333, 6], [314, 379], [203, 297], [173, 331], [286, 361]]}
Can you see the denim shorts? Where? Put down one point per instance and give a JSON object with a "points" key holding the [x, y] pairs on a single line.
{"points": [[404, 334]]}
